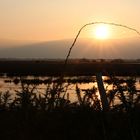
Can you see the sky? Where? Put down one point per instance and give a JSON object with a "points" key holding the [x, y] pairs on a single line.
{"points": [[45, 20]]}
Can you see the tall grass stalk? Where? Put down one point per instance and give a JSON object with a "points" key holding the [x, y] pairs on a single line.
{"points": [[104, 101]]}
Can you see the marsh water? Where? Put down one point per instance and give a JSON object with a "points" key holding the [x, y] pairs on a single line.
{"points": [[15, 84]]}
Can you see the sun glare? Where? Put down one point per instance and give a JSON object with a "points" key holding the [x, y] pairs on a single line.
{"points": [[101, 32]]}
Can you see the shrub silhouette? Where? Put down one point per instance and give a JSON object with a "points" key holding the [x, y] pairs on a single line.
{"points": [[41, 115], [57, 95]]}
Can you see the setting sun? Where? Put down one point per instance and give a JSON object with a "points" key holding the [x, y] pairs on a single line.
{"points": [[101, 32]]}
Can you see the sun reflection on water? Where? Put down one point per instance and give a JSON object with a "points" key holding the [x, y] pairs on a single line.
{"points": [[7, 84]]}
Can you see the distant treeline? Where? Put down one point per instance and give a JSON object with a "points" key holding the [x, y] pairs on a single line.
{"points": [[72, 60], [75, 67]]}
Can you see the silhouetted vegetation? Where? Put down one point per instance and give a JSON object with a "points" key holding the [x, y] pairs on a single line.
{"points": [[74, 67], [53, 115]]}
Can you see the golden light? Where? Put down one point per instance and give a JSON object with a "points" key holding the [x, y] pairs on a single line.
{"points": [[101, 31]]}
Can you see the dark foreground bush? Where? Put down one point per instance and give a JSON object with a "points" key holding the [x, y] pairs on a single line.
{"points": [[80, 123], [52, 116]]}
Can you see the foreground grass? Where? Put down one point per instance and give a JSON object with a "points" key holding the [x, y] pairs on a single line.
{"points": [[70, 123], [52, 115]]}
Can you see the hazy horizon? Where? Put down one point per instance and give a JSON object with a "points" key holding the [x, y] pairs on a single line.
{"points": [[84, 48]]}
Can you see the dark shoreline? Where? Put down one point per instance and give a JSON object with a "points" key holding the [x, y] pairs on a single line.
{"points": [[74, 68]]}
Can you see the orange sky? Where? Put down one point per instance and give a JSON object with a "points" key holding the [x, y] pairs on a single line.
{"points": [[60, 19]]}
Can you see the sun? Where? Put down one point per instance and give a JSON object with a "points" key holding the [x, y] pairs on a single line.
{"points": [[101, 32]]}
